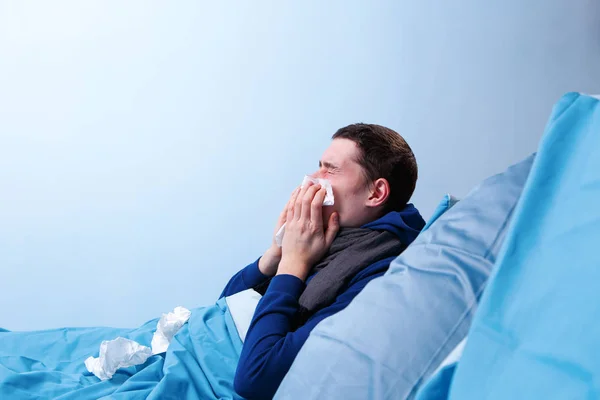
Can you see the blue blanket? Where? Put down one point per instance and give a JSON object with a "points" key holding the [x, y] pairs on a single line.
{"points": [[200, 363], [536, 334]]}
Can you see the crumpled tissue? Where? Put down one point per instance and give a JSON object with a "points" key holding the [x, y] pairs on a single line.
{"points": [[328, 201], [167, 327], [115, 354], [122, 352]]}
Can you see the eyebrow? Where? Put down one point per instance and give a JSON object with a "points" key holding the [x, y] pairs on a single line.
{"points": [[327, 165]]}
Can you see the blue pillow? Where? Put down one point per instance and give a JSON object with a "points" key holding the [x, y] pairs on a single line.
{"points": [[444, 205], [397, 331]]}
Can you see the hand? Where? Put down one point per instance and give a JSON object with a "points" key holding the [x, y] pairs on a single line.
{"points": [[270, 260], [306, 240]]}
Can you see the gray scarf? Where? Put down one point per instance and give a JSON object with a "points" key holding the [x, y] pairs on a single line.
{"points": [[352, 250]]}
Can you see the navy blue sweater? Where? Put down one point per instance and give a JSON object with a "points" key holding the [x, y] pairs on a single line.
{"points": [[271, 345]]}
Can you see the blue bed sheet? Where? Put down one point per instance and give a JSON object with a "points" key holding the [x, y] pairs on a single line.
{"points": [[200, 363]]}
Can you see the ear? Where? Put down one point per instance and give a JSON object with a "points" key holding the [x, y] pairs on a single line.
{"points": [[380, 192]]}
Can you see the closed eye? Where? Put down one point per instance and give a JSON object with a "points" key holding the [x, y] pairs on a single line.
{"points": [[329, 166]]}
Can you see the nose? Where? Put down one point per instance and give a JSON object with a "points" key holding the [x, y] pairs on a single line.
{"points": [[317, 174]]}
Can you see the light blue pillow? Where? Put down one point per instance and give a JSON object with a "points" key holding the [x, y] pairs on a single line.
{"points": [[401, 326]]}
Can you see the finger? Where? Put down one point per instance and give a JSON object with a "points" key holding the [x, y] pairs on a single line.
{"points": [[307, 201], [294, 193], [316, 208], [291, 205], [332, 229], [283, 215], [298, 202]]}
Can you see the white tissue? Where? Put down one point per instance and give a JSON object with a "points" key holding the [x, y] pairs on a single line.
{"points": [[115, 354], [167, 327], [328, 201], [121, 352]]}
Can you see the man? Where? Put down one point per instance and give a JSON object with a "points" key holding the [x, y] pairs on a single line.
{"points": [[328, 254]]}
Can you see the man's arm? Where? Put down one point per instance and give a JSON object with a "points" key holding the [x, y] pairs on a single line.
{"points": [[245, 279], [270, 346], [263, 268]]}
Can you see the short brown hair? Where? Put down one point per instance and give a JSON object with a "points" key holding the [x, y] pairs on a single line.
{"points": [[384, 154]]}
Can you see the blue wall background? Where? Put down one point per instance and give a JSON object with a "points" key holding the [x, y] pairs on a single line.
{"points": [[146, 148]]}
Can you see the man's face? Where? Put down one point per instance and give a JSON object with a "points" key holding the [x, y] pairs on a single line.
{"points": [[350, 190]]}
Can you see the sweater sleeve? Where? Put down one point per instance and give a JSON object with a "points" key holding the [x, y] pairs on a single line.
{"points": [[270, 346], [244, 279]]}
